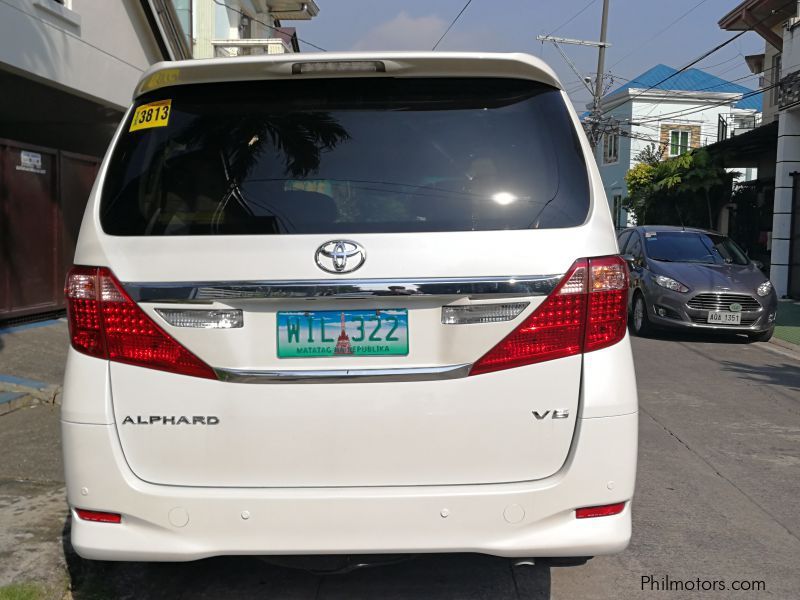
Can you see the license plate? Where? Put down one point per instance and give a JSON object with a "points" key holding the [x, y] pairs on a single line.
{"points": [[725, 318], [323, 333]]}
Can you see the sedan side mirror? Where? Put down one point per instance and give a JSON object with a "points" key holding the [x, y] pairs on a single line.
{"points": [[630, 259], [759, 265]]}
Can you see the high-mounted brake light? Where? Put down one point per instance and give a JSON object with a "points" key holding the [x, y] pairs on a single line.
{"points": [[585, 312], [105, 322], [339, 66]]}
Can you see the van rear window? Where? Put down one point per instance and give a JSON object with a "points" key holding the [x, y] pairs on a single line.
{"points": [[367, 155]]}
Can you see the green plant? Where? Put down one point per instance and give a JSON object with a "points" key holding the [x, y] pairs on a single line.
{"points": [[686, 190], [22, 591]]}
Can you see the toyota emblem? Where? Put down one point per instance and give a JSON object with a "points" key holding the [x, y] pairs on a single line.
{"points": [[340, 256]]}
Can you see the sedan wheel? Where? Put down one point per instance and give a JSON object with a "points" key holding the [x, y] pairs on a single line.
{"points": [[640, 323]]}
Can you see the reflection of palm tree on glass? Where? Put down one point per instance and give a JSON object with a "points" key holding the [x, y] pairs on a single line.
{"points": [[299, 137]]}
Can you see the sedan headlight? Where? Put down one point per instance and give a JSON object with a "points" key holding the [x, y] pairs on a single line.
{"points": [[764, 289], [671, 284]]}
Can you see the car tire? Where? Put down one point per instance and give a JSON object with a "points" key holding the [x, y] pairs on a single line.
{"points": [[640, 321], [761, 336]]}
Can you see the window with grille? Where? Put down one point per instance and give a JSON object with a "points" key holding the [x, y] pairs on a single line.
{"points": [[776, 77], [679, 142], [610, 148]]}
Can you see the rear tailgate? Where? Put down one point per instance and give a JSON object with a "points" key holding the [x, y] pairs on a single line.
{"points": [[457, 191], [479, 429]]}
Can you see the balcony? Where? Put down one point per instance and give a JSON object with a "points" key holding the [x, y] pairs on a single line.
{"points": [[293, 10], [250, 47], [732, 124], [789, 91]]}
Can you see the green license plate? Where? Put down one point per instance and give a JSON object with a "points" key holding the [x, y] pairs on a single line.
{"points": [[318, 333]]}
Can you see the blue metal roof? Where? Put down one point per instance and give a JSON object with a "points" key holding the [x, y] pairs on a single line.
{"points": [[690, 80]]}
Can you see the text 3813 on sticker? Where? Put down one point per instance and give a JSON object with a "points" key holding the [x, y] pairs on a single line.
{"points": [[153, 114]]}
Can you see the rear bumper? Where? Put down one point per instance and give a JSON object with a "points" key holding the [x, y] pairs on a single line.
{"points": [[172, 523]]}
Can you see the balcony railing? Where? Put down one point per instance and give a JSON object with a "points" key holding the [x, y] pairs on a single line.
{"points": [[731, 124], [249, 47], [789, 90]]}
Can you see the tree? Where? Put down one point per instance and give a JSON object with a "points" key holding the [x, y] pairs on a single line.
{"points": [[641, 183], [691, 173], [652, 154], [687, 187]]}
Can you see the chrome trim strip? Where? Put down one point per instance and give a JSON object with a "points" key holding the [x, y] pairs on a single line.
{"points": [[344, 375], [473, 287]]}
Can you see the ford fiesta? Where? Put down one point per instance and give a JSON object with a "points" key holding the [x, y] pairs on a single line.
{"points": [[349, 304]]}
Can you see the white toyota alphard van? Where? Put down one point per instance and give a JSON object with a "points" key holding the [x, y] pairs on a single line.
{"points": [[349, 303]]}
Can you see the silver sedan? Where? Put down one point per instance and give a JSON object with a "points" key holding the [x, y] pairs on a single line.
{"points": [[685, 278]]}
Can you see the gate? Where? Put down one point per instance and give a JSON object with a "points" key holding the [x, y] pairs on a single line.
{"points": [[43, 193]]}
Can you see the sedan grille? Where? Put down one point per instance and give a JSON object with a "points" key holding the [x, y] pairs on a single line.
{"points": [[723, 302]]}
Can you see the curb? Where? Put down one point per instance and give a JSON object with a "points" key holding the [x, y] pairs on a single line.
{"points": [[13, 397], [784, 344], [793, 348]]}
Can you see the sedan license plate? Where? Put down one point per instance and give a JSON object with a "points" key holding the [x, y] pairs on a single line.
{"points": [[323, 333], [725, 318]]}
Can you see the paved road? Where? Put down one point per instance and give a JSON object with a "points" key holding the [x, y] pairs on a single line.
{"points": [[717, 499]]}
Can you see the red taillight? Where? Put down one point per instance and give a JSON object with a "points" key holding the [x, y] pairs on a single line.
{"points": [[599, 511], [98, 516], [587, 311], [105, 322], [607, 313]]}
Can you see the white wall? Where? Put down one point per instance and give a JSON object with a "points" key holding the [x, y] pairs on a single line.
{"points": [[216, 22], [788, 160], [770, 77], [650, 110], [613, 174], [652, 113], [97, 50]]}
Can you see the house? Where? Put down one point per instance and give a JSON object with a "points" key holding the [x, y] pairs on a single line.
{"points": [[242, 27], [778, 144], [675, 111], [765, 17], [67, 71]]}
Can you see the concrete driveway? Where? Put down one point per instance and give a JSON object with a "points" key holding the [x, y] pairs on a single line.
{"points": [[717, 501]]}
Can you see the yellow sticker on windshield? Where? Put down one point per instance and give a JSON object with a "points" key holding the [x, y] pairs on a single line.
{"points": [[154, 114]]}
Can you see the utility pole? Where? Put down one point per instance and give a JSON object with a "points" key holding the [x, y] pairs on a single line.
{"points": [[601, 60], [595, 121]]}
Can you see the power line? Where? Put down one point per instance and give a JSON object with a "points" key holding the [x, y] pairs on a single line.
{"points": [[724, 62], [710, 52], [686, 112], [573, 17], [453, 22], [236, 10], [672, 93], [651, 38], [702, 57], [744, 96]]}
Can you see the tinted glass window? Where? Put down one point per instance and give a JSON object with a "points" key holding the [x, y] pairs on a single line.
{"points": [[693, 247], [349, 156], [623, 239], [635, 247]]}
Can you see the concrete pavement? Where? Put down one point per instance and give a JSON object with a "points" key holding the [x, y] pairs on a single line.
{"points": [[717, 500]]}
